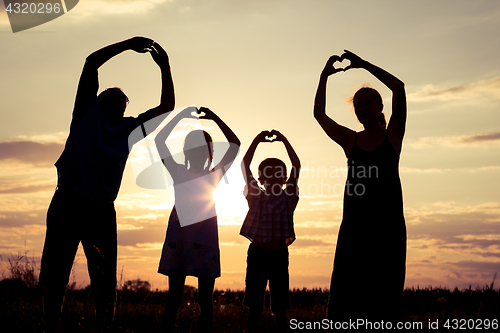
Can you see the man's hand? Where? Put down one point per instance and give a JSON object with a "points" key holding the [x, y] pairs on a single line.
{"points": [[140, 44], [159, 55]]}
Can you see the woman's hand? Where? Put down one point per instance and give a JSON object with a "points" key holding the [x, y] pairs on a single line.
{"points": [[330, 68], [356, 61]]}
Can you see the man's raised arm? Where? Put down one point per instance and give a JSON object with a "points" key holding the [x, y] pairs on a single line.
{"points": [[89, 84], [167, 101]]}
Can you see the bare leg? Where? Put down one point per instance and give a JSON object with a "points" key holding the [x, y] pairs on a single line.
{"points": [[174, 300], [205, 299]]}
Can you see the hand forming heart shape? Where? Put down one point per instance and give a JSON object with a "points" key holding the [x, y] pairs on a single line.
{"points": [[197, 115], [331, 69], [344, 62], [271, 138]]}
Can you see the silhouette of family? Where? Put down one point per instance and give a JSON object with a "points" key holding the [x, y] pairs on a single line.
{"points": [[371, 245]]}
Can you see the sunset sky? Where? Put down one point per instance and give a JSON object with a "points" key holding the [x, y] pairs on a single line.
{"points": [[257, 65]]}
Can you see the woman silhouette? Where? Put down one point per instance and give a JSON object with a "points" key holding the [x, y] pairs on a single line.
{"points": [[370, 258], [192, 243]]}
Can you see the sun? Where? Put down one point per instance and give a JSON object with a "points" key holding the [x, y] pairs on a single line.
{"points": [[230, 204]]}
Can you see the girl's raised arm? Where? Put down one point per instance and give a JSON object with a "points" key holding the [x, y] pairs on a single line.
{"points": [[234, 142], [338, 133], [397, 123], [161, 137]]}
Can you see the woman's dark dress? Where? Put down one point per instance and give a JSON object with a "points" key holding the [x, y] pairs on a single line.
{"points": [[370, 259]]}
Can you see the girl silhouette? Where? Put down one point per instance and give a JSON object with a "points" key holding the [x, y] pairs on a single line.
{"points": [[192, 244], [370, 259]]}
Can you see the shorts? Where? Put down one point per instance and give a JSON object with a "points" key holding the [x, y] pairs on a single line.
{"points": [[267, 265]]}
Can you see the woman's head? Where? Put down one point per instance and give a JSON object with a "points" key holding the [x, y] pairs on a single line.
{"points": [[113, 102], [368, 106], [198, 150]]}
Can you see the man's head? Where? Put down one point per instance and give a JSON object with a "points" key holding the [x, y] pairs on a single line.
{"points": [[272, 173], [113, 102]]}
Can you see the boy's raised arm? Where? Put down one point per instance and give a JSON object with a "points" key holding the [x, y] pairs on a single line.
{"points": [[294, 158], [247, 159]]}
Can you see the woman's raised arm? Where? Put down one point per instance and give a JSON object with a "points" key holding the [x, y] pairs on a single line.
{"points": [[397, 123], [338, 133]]}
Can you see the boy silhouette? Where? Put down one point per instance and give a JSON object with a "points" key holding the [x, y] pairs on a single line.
{"points": [[89, 173], [269, 227]]}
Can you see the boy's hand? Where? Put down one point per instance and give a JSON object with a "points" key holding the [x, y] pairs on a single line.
{"points": [[262, 136], [279, 136]]}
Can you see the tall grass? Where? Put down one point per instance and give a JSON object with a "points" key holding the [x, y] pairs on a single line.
{"points": [[138, 309]]}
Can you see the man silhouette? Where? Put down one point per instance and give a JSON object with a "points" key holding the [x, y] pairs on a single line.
{"points": [[89, 172]]}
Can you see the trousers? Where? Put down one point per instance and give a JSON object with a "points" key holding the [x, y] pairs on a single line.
{"points": [[71, 219]]}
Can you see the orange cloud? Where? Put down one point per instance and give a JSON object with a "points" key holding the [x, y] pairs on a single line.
{"points": [[30, 152]]}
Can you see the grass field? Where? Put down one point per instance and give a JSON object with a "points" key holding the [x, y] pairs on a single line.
{"points": [[138, 309]]}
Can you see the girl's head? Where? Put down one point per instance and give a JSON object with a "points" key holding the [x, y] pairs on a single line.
{"points": [[113, 102], [368, 106], [198, 150]]}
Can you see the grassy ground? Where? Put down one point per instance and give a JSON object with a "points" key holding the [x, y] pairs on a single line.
{"points": [[140, 310]]}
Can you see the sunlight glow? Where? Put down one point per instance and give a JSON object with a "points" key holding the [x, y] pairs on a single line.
{"points": [[230, 204]]}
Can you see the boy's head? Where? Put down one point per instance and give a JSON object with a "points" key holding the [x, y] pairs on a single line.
{"points": [[272, 172]]}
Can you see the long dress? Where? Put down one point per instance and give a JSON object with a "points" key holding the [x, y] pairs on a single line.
{"points": [[370, 259]]}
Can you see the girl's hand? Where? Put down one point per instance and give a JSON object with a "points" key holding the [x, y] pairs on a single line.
{"points": [[329, 68], [209, 114], [356, 61], [189, 112]]}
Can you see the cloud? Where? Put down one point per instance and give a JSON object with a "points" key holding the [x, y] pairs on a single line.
{"points": [[480, 138], [22, 219], [27, 189], [463, 231], [476, 140], [30, 152], [92, 8], [484, 88]]}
